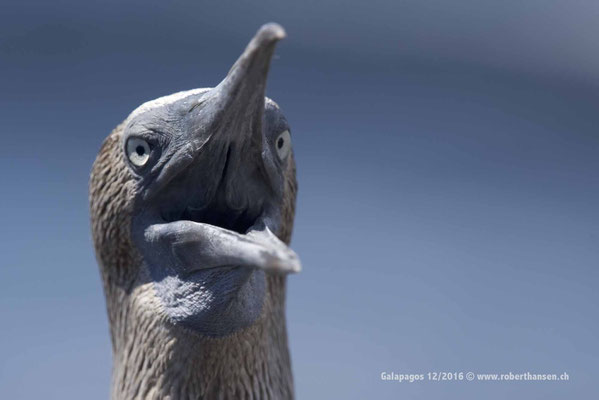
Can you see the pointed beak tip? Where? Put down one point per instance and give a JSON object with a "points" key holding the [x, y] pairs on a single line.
{"points": [[271, 32]]}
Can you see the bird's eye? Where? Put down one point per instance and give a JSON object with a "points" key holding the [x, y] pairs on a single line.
{"points": [[283, 144], [138, 151]]}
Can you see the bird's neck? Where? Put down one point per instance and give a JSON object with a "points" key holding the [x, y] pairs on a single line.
{"points": [[154, 359]]}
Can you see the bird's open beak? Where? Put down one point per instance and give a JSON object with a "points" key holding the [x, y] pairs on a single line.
{"points": [[196, 246], [233, 112]]}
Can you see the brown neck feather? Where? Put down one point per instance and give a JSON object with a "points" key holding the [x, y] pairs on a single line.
{"points": [[154, 359]]}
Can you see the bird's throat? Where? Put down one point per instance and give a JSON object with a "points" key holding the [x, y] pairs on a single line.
{"points": [[154, 359]]}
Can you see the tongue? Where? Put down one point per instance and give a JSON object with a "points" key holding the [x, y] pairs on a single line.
{"points": [[195, 246]]}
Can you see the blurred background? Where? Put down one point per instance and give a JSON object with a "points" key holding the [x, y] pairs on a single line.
{"points": [[448, 160]]}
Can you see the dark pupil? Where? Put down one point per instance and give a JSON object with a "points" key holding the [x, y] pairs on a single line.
{"points": [[140, 150], [280, 142]]}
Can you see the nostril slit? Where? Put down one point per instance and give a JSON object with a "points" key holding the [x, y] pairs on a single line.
{"points": [[226, 166]]}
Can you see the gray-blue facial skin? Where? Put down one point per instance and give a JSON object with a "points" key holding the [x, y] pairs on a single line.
{"points": [[222, 181], [210, 194]]}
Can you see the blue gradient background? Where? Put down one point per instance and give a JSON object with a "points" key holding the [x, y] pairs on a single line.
{"points": [[448, 160]]}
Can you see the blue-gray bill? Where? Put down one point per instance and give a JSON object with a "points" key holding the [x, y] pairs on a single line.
{"points": [[196, 246]]}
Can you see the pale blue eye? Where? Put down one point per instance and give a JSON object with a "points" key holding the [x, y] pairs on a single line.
{"points": [[283, 144], [138, 151]]}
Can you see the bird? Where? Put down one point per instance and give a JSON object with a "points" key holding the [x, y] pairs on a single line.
{"points": [[192, 203]]}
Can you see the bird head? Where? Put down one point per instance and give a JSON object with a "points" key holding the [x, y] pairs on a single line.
{"points": [[194, 195]]}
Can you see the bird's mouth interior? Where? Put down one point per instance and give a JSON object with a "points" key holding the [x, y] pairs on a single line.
{"points": [[221, 216], [215, 214], [215, 211], [217, 235]]}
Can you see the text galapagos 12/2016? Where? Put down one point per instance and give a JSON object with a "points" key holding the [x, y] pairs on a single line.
{"points": [[471, 376]]}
